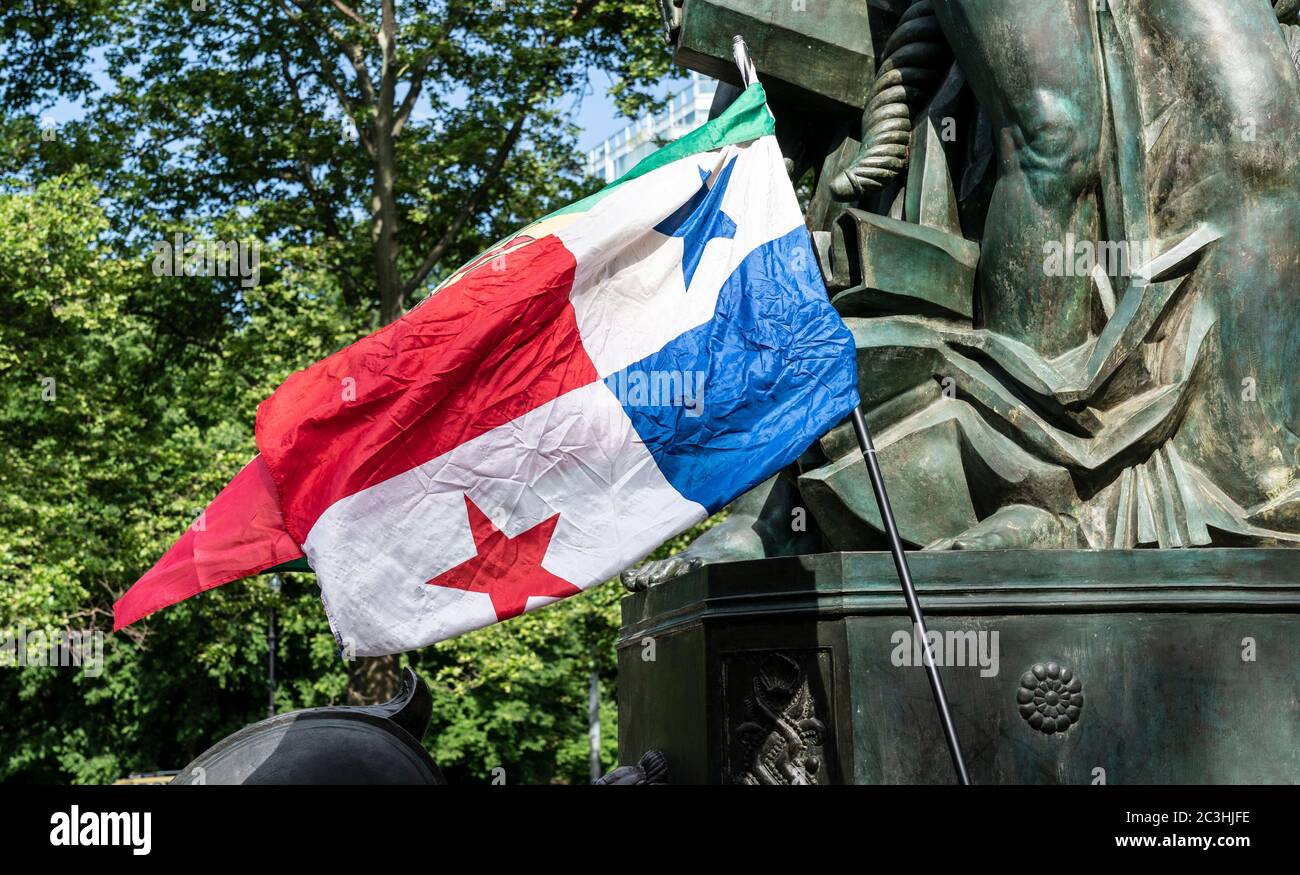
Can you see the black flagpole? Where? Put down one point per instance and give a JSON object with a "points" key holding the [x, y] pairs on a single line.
{"points": [[748, 75], [909, 592]]}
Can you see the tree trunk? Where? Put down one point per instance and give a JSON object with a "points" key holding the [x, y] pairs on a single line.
{"points": [[383, 205], [593, 725], [375, 679], [384, 200]]}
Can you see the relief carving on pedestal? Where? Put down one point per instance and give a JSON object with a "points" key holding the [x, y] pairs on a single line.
{"points": [[781, 739]]}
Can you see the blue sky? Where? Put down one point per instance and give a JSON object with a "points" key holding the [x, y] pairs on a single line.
{"points": [[597, 116]]}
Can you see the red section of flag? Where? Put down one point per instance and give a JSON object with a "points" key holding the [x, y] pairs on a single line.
{"points": [[240, 534], [508, 569], [501, 341]]}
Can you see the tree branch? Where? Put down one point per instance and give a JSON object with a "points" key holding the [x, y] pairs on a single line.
{"points": [[351, 13], [325, 70], [350, 50], [304, 171], [418, 71], [471, 204], [412, 93], [387, 54], [579, 9]]}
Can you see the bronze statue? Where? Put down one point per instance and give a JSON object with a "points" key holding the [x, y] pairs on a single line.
{"points": [[1065, 237]]}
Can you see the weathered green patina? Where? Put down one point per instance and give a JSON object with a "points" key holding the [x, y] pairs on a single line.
{"points": [[795, 670], [1065, 238]]}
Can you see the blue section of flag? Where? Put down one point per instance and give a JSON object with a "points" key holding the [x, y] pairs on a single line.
{"points": [[731, 402], [700, 220]]}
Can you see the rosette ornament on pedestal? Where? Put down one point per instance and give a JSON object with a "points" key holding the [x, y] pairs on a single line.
{"points": [[1050, 698]]}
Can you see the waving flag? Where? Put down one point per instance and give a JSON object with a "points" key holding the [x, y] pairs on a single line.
{"points": [[558, 408]]}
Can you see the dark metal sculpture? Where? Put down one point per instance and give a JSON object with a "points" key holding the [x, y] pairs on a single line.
{"points": [[1068, 256], [374, 744], [1050, 698], [782, 739], [651, 768], [1064, 237]]}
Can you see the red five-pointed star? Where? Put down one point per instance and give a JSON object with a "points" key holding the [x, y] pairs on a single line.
{"points": [[509, 570]]}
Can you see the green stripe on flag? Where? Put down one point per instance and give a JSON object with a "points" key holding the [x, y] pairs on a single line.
{"points": [[746, 119], [299, 564]]}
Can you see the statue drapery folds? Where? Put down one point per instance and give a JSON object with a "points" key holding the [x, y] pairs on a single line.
{"points": [[1064, 236]]}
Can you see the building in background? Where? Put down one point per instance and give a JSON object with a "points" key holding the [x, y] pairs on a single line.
{"points": [[687, 110]]}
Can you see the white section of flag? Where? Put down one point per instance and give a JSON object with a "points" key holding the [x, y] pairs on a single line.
{"points": [[374, 551], [628, 291]]}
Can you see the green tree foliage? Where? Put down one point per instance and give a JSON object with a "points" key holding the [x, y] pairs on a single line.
{"points": [[127, 399], [402, 138]]}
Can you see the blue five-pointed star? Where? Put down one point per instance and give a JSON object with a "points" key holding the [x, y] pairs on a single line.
{"points": [[700, 220]]}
